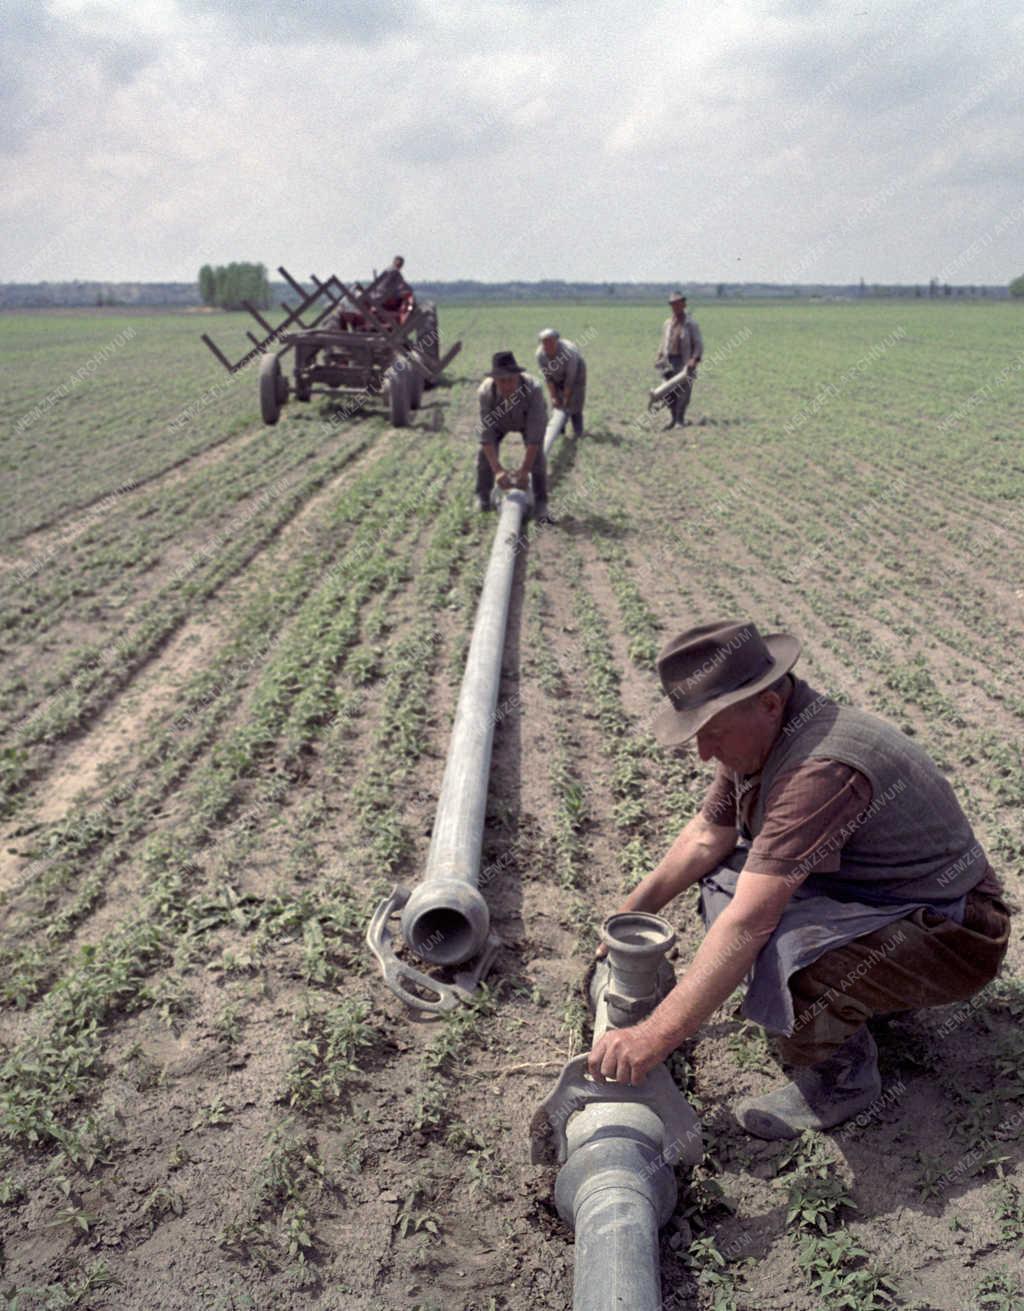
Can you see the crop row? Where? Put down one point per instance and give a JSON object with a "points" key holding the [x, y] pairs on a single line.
{"points": [[75, 849], [55, 1063], [151, 405], [120, 544], [79, 687]]}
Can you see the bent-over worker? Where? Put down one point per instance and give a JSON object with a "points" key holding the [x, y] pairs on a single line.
{"points": [[565, 372], [511, 401]]}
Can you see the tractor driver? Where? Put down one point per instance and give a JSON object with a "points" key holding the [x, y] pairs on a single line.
{"points": [[392, 288]]}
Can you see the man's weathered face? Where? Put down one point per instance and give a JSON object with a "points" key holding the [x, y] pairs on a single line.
{"points": [[550, 345], [507, 386], [679, 309], [397, 262], [741, 736]]}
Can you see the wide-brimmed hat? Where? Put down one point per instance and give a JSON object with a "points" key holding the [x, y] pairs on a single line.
{"points": [[545, 333], [676, 296], [503, 365], [713, 666]]}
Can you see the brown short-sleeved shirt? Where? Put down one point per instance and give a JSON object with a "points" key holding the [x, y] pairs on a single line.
{"points": [[804, 818]]}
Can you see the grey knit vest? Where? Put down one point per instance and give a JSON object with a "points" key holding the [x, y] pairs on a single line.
{"points": [[912, 842]]}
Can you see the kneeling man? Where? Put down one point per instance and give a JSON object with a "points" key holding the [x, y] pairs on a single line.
{"points": [[838, 875]]}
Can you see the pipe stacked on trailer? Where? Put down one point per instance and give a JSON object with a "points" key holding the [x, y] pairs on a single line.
{"points": [[618, 1145], [445, 921]]}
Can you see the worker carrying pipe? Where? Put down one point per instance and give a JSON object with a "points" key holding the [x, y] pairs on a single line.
{"points": [[838, 875], [678, 355], [565, 372], [510, 401]]}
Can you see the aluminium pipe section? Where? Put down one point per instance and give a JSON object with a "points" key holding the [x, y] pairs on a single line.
{"points": [[616, 1190], [663, 389], [618, 1144], [445, 920]]}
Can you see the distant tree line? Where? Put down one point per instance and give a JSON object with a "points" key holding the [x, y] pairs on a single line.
{"points": [[1017, 286], [227, 285]]}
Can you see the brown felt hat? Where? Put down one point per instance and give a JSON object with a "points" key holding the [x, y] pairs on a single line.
{"points": [[676, 296], [503, 365], [708, 668]]}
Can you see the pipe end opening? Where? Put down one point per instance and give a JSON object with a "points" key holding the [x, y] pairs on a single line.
{"points": [[445, 922], [442, 935]]}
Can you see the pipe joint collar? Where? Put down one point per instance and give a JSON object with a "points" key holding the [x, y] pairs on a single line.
{"points": [[445, 921], [619, 1165]]}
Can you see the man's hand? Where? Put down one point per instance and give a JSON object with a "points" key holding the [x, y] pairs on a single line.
{"points": [[504, 479], [625, 1055], [520, 478]]}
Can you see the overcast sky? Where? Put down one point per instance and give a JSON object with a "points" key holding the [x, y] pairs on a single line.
{"points": [[734, 140]]}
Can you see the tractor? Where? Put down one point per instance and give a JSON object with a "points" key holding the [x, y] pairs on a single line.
{"points": [[343, 341]]}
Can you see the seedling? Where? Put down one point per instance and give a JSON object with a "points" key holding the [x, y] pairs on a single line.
{"points": [[413, 1217], [324, 1056], [217, 1113]]}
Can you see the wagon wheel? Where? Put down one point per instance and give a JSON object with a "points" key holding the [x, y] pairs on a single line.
{"points": [[398, 397], [271, 381], [415, 383]]}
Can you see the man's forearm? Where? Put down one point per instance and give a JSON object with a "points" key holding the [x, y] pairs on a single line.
{"points": [[722, 962], [490, 450], [695, 852]]}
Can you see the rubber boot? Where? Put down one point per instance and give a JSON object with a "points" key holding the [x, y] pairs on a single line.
{"points": [[819, 1096]]}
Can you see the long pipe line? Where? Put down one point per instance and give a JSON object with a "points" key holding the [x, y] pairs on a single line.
{"points": [[445, 920]]}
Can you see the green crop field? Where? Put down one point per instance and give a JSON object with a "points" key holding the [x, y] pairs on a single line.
{"points": [[230, 658]]}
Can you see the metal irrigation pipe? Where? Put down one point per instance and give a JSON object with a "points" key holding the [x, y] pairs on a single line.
{"points": [[663, 389], [445, 921], [617, 1145]]}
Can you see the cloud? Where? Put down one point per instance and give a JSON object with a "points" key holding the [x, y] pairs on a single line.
{"points": [[52, 68], [283, 22], [509, 142]]}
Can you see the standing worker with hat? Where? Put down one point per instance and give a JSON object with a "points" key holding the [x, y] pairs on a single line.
{"points": [[511, 401], [565, 371], [837, 873], [681, 348]]}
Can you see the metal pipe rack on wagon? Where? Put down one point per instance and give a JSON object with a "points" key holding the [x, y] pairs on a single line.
{"points": [[445, 920]]}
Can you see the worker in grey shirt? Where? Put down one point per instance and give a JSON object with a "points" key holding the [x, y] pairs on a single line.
{"points": [[511, 401], [565, 371], [681, 347]]}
